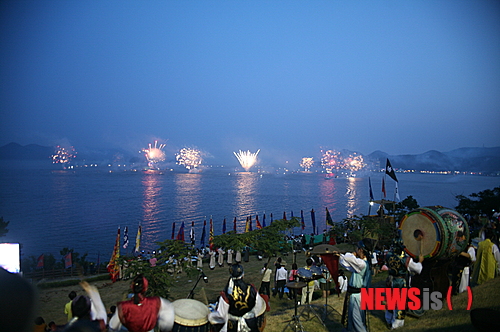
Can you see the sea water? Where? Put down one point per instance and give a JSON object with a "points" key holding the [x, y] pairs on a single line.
{"points": [[49, 210]]}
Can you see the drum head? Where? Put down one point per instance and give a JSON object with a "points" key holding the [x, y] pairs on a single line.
{"points": [[189, 312], [420, 234], [296, 285], [304, 273]]}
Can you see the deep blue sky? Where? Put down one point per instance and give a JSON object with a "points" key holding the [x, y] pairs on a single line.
{"points": [[285, 77]]}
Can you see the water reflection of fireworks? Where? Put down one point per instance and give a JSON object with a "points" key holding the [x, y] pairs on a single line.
{"points": [[63, 155], [154, 154], [189, 158], [246, 158]]}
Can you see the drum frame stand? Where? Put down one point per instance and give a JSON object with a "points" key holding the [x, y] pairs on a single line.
{"points": [[308, 308], [295, 321], [326, 306]]}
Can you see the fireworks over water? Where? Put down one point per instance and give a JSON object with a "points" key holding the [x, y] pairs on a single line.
{"points": [[154, 154], [246, 158], [63, 155], [307, 163], [189, 158], [332, 161]]}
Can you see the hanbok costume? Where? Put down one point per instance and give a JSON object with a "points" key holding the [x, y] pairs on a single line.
{"points": [[360, 277], [464, 281], [144, 315], [240, 308]]}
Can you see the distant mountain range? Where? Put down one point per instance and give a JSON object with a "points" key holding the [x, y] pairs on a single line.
{"points": [[485, 160]]}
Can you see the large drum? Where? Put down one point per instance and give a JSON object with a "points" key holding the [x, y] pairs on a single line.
{"points": [[433, 231], [190, 316]]}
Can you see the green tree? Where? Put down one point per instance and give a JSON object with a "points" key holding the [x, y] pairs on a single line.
{"points": [[3, 227], [478, 203]]}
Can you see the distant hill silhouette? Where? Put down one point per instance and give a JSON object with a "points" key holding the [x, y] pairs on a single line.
{"points": [[464, 159]]}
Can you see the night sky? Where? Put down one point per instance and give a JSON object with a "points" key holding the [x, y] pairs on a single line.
{"points": [[285, 77]]}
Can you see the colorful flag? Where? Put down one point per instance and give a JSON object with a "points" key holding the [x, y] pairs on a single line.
{"points": [[371, 191], [138, 239], [302, 219], [125, 238], [247, 226], [67, 260], [390, 171], [211, 235], [113, 268], [191, 234], [234, 224], [284, 215], [173, 231], [180, 235], [313, 221], [203, 233], [259, 226], [329, 220], [40, 262], [383, 188], [264, 220], [224, 226]]}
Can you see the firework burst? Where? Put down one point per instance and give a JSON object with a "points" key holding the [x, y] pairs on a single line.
{"points": [[189, 158], [330, 160], [154, 154], [63, 155], [307, 163], [246, 158]]}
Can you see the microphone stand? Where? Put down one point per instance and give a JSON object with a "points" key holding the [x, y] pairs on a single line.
{"points": [[202, 275]]}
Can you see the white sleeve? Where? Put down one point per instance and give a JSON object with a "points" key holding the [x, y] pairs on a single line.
{"points": [[414, 267], [220, 315], [352, 263], [114, 323], [97, 309], [472, 254], [496, 254], [166, 315]]}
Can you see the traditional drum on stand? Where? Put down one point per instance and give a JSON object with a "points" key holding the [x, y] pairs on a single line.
{"points": [[190, 316], [432, 232]]}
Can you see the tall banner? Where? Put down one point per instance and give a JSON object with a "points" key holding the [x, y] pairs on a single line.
{"points": [[173, 231], [224, 226], [113, 267], [257, 222], [234, 224], [125, 238], [264, 220], [371, 191], [40, 261], [192, 236], [383, 188], [180, 235], [68, 261], [203, 233], [313, 221], [329, 220], [138, 239], [390, 171], [211, 235], [302, 219]]}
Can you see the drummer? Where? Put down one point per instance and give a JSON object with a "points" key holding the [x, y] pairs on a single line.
{"points": [[143, 313], [308, 290], [239, 305]]}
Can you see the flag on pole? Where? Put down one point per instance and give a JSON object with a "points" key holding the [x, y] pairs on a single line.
{"points": [[67, 260], [383, 188], [138, 239], [291, 214], [180, 235], [203, 233], [313, 221], [302, 219], [259, 226], [396, 193], [371, 191], [192, 237], [390, 171], [329, 220], [264, 220], [40, 261], [211, 235], [284, 215], [173, 231], [113, 267], [250, 223], [224, 226], [247, 225], [234, 224], [271, 219], [125, 238]]}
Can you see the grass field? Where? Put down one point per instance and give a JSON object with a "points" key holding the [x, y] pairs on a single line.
{"points": [[52, 300]]}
